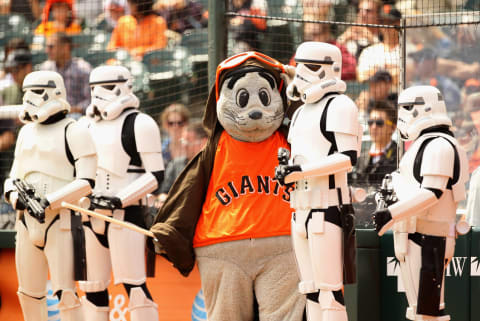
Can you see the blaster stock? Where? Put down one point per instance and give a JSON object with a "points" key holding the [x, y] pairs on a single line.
{"points": [[32, 201]]}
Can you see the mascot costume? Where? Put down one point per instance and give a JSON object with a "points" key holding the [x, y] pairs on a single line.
{"points": [[227, 210], [55, 161], [325, 137], [429, 184]]}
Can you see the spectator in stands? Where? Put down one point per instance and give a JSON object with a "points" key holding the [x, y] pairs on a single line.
{"points": [[379, 88], [193, 139], [319, 10], [141, 31], [6, 78], [58, 16], [382, 155], [246, 31], [378, 157], [356, 38], [471, 95], [173, 119], [383, 55], [113, 10], [182, 15], [19, 64], [30, 9], [75, 71], [88, 10], [425, 73]]}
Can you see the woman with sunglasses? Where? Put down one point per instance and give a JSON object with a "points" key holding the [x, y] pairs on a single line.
{"points": [[173, 120]]}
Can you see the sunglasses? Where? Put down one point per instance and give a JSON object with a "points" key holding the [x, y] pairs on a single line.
{"points": [[239, 59], [379, 122], [175, 123]]}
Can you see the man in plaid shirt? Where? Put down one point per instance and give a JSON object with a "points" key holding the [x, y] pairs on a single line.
{"points": [[75, 71]]}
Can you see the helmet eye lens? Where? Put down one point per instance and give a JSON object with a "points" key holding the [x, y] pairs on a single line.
{"points": [[313, 67], [38, 91], [408, 107], [108, 87]]}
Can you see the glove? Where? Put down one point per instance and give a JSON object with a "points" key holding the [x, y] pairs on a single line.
{"points": [[281, 171], [14, 200], [105, 202], [381, 218]]}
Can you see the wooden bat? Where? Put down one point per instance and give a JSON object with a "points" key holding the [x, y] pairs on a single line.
{"points": [[112, 220]]}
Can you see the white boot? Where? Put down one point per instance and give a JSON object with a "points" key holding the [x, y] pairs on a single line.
{"points": [[93, 313], [141, 308], [69, 306]]}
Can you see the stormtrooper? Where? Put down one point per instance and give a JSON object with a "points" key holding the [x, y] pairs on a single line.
{"points": [[428, 190], [56, 159], [325, 138], [130, 166]]}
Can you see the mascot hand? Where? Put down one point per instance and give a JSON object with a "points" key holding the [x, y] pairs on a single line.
{"points": [[382, 220], [281, 171]]}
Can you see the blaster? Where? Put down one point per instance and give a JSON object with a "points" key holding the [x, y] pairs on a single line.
{"points": [[104, 202], [283, 155], [34, 203], [386, 195]]}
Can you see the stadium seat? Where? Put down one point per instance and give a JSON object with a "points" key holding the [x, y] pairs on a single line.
{"points": [[196, 41], [96, 58], [38, 57], [168, 74], [82, 43]]}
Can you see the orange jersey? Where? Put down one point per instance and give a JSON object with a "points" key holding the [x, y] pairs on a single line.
{"points": [[243, 200], [139, 37]]}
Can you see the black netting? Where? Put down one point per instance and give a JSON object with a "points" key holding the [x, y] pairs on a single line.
{"points": [[386, 45]]}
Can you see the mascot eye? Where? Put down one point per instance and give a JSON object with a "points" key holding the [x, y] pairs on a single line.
{"points": [[264, 97], [242, 98]]}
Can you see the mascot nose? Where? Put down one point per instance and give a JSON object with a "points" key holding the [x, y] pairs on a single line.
{"points": [[255, 115]]}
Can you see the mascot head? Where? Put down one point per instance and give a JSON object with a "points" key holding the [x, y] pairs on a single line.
{"points": [[250, 96]]}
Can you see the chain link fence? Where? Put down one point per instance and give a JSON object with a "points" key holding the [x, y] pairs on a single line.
{"points": [[168, 45]]}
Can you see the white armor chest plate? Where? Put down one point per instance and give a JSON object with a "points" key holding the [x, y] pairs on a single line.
{"points": [[406, 186], [307, 141], [41, 159], [113, 160], [309, 145]]}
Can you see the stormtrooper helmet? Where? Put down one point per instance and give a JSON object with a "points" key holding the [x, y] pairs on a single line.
{"points": [[111, 89], [420, 107], [318, 72], [44, 96]]}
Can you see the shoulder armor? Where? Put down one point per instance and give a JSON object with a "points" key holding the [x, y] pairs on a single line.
{"points": [[438, 158], [342, 116], [147, 134], [80, 141]]}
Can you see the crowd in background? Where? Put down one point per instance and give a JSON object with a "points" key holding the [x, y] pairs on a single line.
{"points": [[50, 38]]}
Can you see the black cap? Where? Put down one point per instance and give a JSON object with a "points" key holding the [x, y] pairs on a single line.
{"points": [[381, 75], [391, 14], [17, 58], [423, 54]]}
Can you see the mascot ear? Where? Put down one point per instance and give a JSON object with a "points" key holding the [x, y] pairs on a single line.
{"points": [[288, 75]]}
